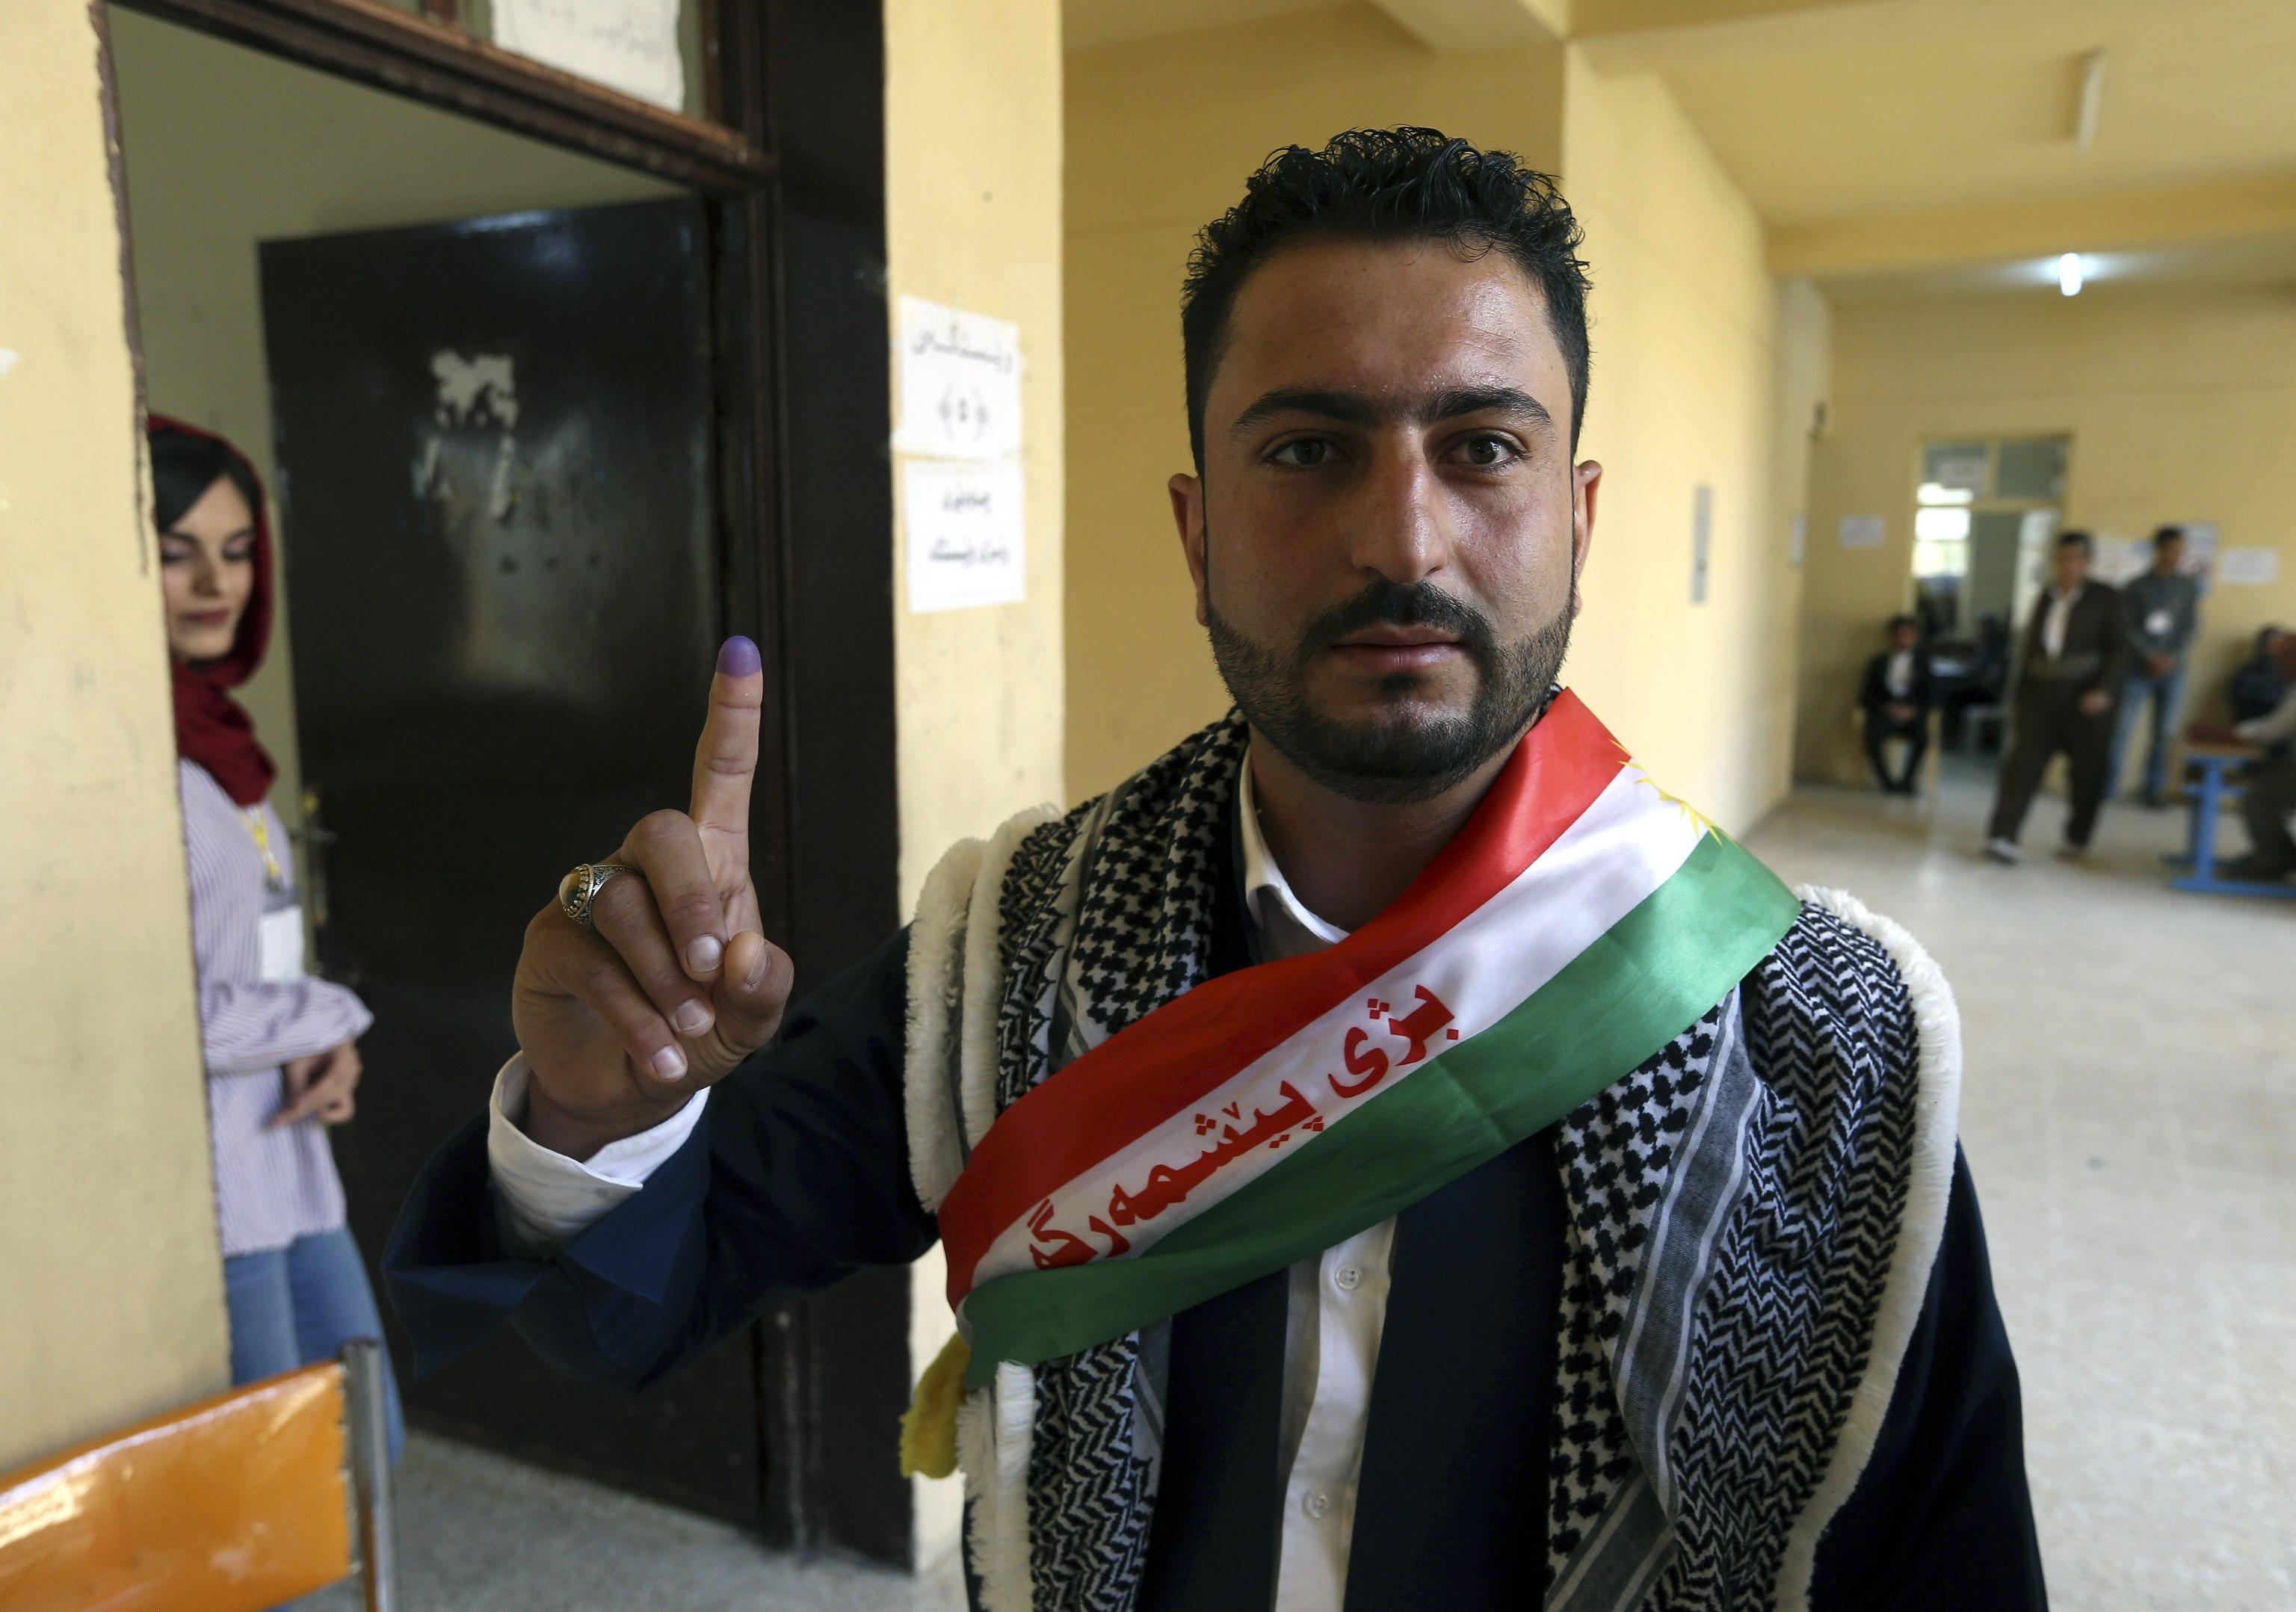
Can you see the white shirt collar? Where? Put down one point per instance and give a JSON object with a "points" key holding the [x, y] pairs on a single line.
{"points": [[1266, 893]]}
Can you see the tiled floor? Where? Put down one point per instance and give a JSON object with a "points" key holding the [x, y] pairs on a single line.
{"points": [[2129, 1113], [481, 1532]]}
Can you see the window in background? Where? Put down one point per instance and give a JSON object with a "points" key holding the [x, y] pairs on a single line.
{"points": [[1984, 509]]}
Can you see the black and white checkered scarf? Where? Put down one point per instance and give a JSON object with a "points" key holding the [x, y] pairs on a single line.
{"points": [[1752, 1214]]}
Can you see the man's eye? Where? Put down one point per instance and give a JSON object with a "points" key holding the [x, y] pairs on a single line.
{"points": [[1485, 452], [1304, 454]]}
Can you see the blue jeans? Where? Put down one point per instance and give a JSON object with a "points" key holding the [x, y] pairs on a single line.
{"points": [[2166, 694], [292, 1305]]}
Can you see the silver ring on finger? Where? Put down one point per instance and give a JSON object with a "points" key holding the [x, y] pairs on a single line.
{"points": [[578, 892]]}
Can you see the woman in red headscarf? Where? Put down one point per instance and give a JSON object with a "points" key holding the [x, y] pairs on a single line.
{"points": [[280, 1046]]}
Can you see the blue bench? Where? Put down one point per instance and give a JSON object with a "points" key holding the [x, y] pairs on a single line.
{"points": [[2207, 796]]}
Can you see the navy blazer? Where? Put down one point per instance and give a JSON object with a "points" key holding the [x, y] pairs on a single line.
{"points": [[798, 1175]]}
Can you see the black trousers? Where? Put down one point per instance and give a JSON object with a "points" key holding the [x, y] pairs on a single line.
{"points": [[2049, 719], [1880, 730], [2269, 794]]}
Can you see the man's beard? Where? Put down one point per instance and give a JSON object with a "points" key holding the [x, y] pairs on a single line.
{"points": [[1407, 752]]}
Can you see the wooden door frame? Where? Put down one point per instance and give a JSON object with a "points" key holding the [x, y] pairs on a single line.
{"points": [[795, 175]]}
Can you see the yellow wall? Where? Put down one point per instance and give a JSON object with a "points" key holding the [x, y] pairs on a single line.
{"points": [[1161, 134], [228, 147], [111, 1278], [972, 220], [1696, 359], [2181, 406]]}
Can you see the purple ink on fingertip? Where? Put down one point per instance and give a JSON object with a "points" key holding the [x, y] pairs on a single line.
{"points": [[739, 658]]}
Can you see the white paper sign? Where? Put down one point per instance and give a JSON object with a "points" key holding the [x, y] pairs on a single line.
{"points": [[630, 46], [2248, 568], [1864, 531], [960, 377], [2119, 560], [2200, 544], [965, 542], [1797, 540]]}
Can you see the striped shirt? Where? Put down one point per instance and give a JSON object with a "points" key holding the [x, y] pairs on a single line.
{"points": [[272, 1186]]}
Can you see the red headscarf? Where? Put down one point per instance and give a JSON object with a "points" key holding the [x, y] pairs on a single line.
{"points": [[212, 728]]}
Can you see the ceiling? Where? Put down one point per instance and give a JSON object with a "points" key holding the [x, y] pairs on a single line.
{"points": [[1936, 102], [1919, 147]]}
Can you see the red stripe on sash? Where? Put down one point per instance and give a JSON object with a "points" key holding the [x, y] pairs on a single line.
{"points": [[1139, 1077]]}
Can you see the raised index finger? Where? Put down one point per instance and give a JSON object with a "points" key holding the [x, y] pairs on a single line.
{"points": [[726, 758]]}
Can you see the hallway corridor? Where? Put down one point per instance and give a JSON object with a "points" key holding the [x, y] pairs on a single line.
{"points": [[2128, 1110]]}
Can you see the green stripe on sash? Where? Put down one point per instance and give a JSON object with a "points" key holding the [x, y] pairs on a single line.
{"points": [[1611, 1007]]}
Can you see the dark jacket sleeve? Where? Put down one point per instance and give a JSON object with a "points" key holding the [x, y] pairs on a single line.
{"points": [[2119, 656], [797, 1176], [1942, 1516], [1874, 689]]}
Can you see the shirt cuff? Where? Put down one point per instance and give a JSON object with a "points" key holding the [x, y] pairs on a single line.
{"points": [[544, 1198]]}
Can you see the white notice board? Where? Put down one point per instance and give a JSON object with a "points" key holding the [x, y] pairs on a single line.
{"points": [[960, 381], [1863, 531], [965, 542]]}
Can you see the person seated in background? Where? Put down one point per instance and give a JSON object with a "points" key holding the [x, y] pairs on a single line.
{"points": [[2268, 788], [2257, 688], [1896, 698], [2163, 609], [2074, 661]]}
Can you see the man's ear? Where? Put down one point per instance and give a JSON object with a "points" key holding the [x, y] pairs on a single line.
{"points": [[1586, 482], [1188, 515]]}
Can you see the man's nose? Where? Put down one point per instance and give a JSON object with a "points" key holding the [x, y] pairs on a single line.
{"points": [[1404, 531]]}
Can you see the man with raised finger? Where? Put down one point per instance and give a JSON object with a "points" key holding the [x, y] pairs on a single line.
{"points": [[1389, 1152]]}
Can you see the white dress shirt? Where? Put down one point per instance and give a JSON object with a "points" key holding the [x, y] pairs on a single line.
{"points": [[2053, 625], [1899, 678], [1337, 1301], [2275, 725]]}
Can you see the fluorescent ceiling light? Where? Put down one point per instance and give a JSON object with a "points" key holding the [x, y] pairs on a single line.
{"points": [[2068, 274]]}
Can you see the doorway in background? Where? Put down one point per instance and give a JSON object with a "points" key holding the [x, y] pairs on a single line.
{"points": [[785, 220], [495, 442], [1985, 510]]}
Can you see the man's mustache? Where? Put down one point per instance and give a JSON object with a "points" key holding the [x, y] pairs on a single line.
{"points": [[1383, 603]]}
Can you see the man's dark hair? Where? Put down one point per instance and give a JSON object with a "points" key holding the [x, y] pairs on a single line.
{"points": [[2080, 540], [2167, 535], [1903, 621], [1386, 184]]}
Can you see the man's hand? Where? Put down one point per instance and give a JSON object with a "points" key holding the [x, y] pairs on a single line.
{"points": [[2212, 732], [2161, 666], [1901, 712], [2096, 702], [319, 1087], [678, 983]]}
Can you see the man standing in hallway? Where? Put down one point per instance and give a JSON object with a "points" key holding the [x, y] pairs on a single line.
{"points": [[2161, 609], [1896, 698], [2075, 657], [1359, 1142]]}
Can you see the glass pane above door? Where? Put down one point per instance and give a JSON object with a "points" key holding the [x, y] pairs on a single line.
{"points": [[2034, 468]]}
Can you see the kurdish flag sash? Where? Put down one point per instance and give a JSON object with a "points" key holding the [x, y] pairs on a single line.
{"points": [[1580, 921]]}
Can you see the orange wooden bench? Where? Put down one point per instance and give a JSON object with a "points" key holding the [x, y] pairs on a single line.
{"points": [[232, 1504]]}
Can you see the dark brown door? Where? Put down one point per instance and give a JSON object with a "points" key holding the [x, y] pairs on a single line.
{"points": [[495, 442]]}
